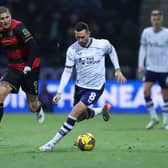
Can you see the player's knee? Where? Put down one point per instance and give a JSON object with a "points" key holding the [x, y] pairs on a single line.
{"points": [[33, 106], [146, 93], [82, 116], [3, 94]]}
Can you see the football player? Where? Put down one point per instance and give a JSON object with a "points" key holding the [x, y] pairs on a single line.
{"points": [[153, 54], [87, 54], [23, 62]]}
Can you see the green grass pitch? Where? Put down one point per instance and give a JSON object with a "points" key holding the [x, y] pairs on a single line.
{"points": [[120, 143]]}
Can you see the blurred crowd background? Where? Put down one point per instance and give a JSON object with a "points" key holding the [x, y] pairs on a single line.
{"points": [[52, 23]]}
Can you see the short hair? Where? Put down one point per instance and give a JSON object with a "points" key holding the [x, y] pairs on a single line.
{"points": [[4, 9], [156, 12], [81, 26]]}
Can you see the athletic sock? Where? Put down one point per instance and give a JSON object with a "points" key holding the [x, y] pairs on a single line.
{"points": [[65, 128], [89, 113], [1, 111], [165, 112], [150, 107], [39, 109], [97, 111]]}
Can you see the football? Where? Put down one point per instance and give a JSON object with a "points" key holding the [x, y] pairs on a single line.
{"points": [[85, 142]]}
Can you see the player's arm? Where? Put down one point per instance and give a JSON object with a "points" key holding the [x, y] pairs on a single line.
{"points": [[64, 81], [65, 77], [28, 39], [141, 59], [114, 59], [142, 53]]}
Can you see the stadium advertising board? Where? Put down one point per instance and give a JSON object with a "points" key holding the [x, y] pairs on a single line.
{"points": [[124, 98]]}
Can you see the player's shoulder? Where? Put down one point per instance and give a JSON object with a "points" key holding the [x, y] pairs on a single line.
{"points": [[15, 23], [73, 46], [96, 40], [100, 42], [165, 29], [147, 29]]}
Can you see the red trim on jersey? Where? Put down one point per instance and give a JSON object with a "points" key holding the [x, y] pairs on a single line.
{"points": [[14, 23], [19, 67], [36, 62], [6, 41], [17, 53]]}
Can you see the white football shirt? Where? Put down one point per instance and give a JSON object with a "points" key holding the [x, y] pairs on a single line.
{"points": [[155, 50], [90, 62]]}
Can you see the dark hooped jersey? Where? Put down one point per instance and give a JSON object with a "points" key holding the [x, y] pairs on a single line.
{"points": [[20, 46]]}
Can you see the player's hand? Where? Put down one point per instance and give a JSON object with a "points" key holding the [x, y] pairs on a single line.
{"points": [[120, 77], [141, 69], [26, 69], [140, 73], [56, 98]]}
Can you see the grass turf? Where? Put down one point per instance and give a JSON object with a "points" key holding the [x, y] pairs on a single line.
{"points": [[121, 142]]}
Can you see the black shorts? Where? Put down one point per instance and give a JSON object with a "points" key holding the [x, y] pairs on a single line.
{"points": [[159, 77], [17, 79]]}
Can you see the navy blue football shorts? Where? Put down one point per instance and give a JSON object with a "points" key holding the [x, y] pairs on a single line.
{"points": [[158, 77], [87, 96]]}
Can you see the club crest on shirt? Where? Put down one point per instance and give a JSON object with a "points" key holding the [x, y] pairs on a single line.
{"points": [[79, 53], [82, 60]]}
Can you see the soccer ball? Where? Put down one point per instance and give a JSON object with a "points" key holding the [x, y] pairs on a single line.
{"points": [[85, 142]]}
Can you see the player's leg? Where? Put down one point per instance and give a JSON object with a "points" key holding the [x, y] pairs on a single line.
{"points": [[5, 89], [90, 97], [9, 83], [92, 112], [150, 106], [82, 99], [66, 127], [29, 85], [150, 78], [35, 107], [165, 114], [79, 112], [165, 108]]}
